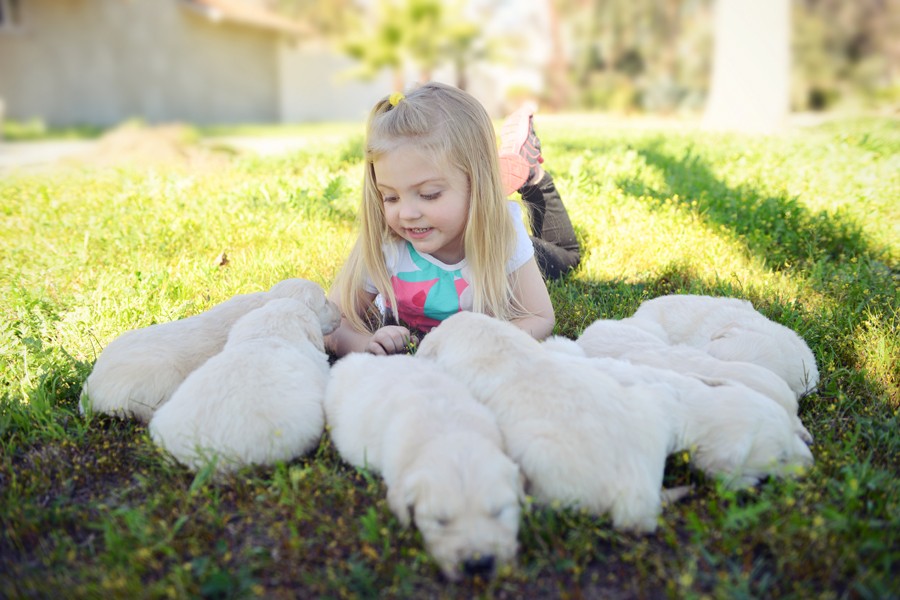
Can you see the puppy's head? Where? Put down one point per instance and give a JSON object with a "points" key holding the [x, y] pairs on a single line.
{"points": [[770, 345], [749, 437], [283, 318], [469, 343], [312, 295], [778, 453], [464, 495], [563, 345]]}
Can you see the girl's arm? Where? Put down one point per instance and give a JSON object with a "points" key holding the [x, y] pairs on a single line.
{"points": [[390, 339], [531, 292]]}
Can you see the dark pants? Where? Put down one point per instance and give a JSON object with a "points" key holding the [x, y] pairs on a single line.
{"points": [[556, 248]]}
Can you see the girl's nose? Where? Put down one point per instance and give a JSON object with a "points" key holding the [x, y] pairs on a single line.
{"points": [[409, 209]]}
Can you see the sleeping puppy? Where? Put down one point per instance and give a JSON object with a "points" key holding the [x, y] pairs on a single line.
{"points": [[439, 451], [256, 402], [581, 438], [139, 370], [604, 338], [615, 337], [732, 431], [731, 329]]}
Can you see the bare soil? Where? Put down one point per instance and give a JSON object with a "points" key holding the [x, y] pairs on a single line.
{"points": [[138, 145]]}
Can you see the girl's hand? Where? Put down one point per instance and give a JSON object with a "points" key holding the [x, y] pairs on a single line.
{"points": [[391, 339]]}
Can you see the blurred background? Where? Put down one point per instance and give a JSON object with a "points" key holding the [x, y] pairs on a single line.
{"points": [[730, 63]]}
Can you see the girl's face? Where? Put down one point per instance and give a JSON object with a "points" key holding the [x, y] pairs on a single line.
{"points": [[425, 204]]}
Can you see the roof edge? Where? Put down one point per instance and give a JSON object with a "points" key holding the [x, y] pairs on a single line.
{"points": [[250, 15]]}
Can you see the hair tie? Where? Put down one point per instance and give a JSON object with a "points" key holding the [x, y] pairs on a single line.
{"points": [[395, 98]]}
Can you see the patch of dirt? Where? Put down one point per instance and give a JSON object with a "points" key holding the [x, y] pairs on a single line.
{"points": [[138, 145]]}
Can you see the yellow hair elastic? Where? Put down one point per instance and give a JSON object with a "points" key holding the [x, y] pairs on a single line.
{"points": [[395, 98]]}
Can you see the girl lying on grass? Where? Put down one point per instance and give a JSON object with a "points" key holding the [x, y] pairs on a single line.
{"points": [[437, 232]]}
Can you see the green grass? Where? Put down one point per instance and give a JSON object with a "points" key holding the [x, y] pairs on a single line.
{"points": [[327, 129], [36, 129], [806, 226]]}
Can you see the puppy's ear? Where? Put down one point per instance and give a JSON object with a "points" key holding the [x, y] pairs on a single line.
{"points": [[402, 498], [313, 330]]}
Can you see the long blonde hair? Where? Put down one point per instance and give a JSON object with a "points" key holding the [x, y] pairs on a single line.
{"points": [[449, 125]]}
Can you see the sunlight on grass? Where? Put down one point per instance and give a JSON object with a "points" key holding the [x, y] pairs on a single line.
{"points": [[878, 351]]}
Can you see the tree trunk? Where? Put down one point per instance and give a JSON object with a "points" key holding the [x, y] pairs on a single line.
{"points": [[750, 87], [557, 67]]}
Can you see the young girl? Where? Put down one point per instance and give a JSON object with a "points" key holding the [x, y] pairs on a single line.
{"points": [[437, 233]]}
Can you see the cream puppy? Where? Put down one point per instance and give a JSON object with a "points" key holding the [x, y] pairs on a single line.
{"points": [[256, 402], [615, 337], [604, 338], [731, 329], [581, 438], [439, 451], [563, 345], [139, 370], [732, 431]]}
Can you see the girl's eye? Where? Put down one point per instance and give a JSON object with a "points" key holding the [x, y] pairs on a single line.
{"points": [[388, 199], [433, 196]]}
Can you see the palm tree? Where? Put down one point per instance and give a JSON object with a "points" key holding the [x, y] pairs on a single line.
{"points": [[424, 34]]}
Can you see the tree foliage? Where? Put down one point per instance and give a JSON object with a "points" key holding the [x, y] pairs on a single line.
{"points": [[421, 34], [617, 54]]}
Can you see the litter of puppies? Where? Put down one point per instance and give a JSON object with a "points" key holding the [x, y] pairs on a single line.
{"points": [[482, 414]]}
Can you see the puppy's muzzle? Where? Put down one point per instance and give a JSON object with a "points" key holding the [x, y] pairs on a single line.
{"points": [[482, 566]]}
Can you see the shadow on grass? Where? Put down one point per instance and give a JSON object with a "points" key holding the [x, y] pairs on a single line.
{"points": [[579, 302], [777, 229]]}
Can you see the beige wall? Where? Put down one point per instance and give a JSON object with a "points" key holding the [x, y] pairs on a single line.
{"points": [[315, 85], [104, 61]]}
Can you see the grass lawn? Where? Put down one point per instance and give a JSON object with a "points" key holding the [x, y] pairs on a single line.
{"points": [[805, 225]]}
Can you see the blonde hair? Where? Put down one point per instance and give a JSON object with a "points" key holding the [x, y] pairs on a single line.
{"points": [[450, 126]]}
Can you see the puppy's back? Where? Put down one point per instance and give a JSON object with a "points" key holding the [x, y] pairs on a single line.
{"points": [[691, 319], [612, 338], [378, 406], [138, 371], [255, 402]]}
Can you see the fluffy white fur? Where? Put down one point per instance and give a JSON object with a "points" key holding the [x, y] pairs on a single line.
{"points": [[731, 430], [622, 339], [581, 438], [440, 454], [615, 337], [139, 370], [564, 345], [256, 402], [731, 329]]}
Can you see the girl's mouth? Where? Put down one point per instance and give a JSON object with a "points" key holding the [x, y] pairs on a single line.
{"points": [[418, 232]]}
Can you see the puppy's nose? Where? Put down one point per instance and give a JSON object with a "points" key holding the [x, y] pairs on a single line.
{"points": [[480, 566]]}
